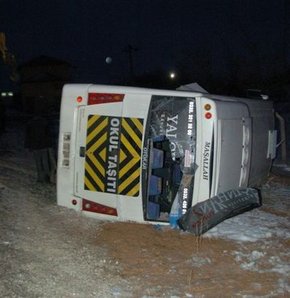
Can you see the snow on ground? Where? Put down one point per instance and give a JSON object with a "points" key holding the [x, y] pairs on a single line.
{"points": [[46, 250], [252, 226], [262, 226]]}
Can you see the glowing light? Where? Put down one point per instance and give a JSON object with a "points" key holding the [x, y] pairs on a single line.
{"points": [[207, 107], [172, 75], [208, 115], [109, 60]]}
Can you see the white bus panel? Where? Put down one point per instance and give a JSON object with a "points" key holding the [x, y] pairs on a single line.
{"points": [[128, 153]]}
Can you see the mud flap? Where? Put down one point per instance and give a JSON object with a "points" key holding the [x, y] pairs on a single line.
{"points": [[205, 215]]}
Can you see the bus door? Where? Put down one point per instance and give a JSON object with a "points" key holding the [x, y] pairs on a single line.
{"points": [[97, 146]]}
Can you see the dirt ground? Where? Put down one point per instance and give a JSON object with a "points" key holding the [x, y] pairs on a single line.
{"points": [[51, 251], [183, 265], [162, 260]]}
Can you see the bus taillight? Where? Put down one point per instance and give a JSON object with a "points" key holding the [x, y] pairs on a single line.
{"points": [[208, 115], [98, 208], [79, 99], [99, 98]]}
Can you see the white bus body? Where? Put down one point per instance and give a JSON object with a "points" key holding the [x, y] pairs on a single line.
{"points": [[126, 153]]}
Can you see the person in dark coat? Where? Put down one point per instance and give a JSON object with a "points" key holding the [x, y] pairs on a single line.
{"points": [[38, 140]]}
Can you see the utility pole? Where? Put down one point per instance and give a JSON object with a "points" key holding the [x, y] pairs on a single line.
{"points": [[130, 50]]}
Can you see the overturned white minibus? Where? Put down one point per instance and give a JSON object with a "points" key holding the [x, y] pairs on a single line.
{"points": [[127, 153]]}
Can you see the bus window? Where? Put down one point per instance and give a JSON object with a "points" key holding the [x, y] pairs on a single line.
{"points": [[170, 141]]}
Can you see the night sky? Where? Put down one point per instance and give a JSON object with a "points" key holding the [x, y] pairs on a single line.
{"points": [[166, 34]]}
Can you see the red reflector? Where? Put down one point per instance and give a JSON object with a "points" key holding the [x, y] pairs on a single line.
{"points": [[208, 115], [98, 208], [74, 202], [79, 99], [98, 98]]}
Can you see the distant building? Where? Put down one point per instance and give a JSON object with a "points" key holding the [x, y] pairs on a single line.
{"points": [[42, 79]]}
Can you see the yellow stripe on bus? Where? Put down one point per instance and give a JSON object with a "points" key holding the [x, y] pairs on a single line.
{"points": [[134, 191], [129, 146], [97, 154], [132, 133], [96, 163], [89, 185], [103, 154], [97, 130], [92, 120], [138, 124], [128, 167], [98, 143], [122, 156], [93, 175], [129, 180]]}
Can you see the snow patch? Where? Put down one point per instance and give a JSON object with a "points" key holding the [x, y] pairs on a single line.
{"points": [[199, 262], [252, 226]]}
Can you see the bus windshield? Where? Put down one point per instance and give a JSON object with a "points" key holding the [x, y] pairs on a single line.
{"points": [[168, 162]]}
